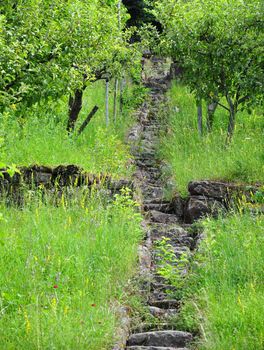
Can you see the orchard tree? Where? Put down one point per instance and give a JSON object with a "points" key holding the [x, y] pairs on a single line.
{"points": [[220, 46], [49, 49]]}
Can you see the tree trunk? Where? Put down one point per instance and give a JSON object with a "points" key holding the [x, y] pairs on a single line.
{"points": [[200, 116], [75, 106], [232, 119], [211, 108]]}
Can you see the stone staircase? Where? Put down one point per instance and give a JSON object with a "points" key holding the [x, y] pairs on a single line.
{"points": [[161, 221]]}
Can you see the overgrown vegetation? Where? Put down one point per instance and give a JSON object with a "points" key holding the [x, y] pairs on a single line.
{"points": [[38, 135], [230, 293], [222, 294], [191, 157], [62, 271], [63, 267], [218, 44]]}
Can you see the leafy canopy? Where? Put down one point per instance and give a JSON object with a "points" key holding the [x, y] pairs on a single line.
{"points": [[219, 44], [51, 47]]}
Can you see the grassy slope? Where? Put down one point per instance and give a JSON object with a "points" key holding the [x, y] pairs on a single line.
{"points": [[224, 295], [231, 294], [63, 268], [39, 136], [192, 158]]}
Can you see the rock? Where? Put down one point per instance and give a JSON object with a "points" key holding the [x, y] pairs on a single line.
{"points": [[118, 185], [164, 207], [135, 133], [41, 178], [123, 331], [157, 216], [222, 191], [172, 339], [199, 207], [162, 313], [178, 205], [153, 348], [165, 304], [214, 189], [152, 193], [144, 259]]}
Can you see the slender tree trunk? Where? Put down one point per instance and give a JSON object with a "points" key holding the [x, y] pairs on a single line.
{"points": [[75, 106], [232, 119], [200, 116], [107, 102], [211, 108], [115, 100]]}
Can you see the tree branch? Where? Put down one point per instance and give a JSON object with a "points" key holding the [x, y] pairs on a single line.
{"points": [[223, 106], [88, 119]]}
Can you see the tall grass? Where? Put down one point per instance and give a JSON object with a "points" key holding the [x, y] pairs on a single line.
{"points": [[223, 296], [38, 135], [192, 157], [231, 290], [62, 270]]}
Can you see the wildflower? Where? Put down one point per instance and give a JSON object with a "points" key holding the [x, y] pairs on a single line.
{"points": [[28, 325], [55, 286]]}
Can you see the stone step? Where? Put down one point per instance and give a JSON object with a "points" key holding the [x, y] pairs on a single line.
{"points": [[162, 287], [162, 313], [145, 163], [153, 348], [184, 241], [159, 217], [163, 207], [165, 304], [165, 339], [155, 192], [158, 325]]}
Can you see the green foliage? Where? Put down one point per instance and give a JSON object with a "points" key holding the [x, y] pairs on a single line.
{"points": [[219, 45], [169, 266], [49, 49], [191, 157], [62, 271], [38, 136], [231, 288]]}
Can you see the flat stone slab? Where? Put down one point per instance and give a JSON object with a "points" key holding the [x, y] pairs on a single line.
{"points": [[165, 304], [153, 348], [162, 313], [157, 216], [165, 339]]}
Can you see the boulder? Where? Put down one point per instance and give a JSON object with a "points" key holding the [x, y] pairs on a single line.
{"points": [[199, 206], [213, 189]]}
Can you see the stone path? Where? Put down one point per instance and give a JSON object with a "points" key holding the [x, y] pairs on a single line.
{"points": [[162, 219]]}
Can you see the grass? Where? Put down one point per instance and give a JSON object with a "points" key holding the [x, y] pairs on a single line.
{"points": [[63, 269], [223, 296], [231, 290], [38, 135], [192, 157]]}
